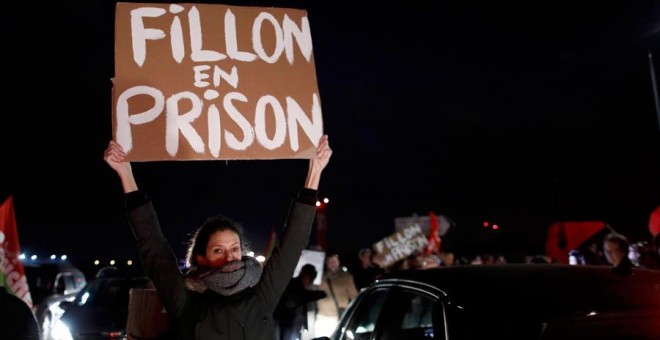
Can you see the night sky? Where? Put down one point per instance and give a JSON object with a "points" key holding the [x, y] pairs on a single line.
{"points": [[521, 115]]}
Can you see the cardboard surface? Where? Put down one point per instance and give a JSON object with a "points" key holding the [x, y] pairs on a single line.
{"points": [[206, 81]]}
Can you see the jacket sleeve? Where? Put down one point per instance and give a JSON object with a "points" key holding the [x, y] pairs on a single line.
{"points": [[282, 262], [157, 257]]}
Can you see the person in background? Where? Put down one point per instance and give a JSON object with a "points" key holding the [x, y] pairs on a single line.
{"points": [[367, 271], [291, 312], [17, 321], [615, 247], [339, 286], [643, 255], [225, 295]]}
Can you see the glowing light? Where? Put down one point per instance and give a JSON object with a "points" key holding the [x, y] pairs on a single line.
{"points": [[250, 253], [33, 257], [63, 257], [318, 203], [326, 200], [22, 256], [261, 258], [97, 262], [129, 262], [52, 257], [61, 331], [83, 299], [495, 226], [112, 262], [486, 224]]}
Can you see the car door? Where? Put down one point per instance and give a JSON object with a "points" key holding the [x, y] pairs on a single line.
{"points": [[390, 312], [411, 313], [359, 321]]}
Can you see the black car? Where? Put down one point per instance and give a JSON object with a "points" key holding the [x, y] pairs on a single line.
{"points": [[508, 301], [100, 310]]}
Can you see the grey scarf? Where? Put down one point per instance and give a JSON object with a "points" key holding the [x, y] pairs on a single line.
{"points": [[228, 279]]}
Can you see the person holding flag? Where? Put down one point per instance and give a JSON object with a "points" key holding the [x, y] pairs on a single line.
{"points": [[17, 321]]}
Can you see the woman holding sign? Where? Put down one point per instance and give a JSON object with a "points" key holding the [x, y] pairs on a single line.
{"points": [[225, 295]]}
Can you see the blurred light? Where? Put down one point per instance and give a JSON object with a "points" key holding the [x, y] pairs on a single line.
{"points": [[592, 313], [129, 262], [112, 262], [318, 203], [97, 262], [250, 253], [33, 257], [52, 257], [63, 257], [83, 298], [486, 224], [261, 258], [326, 200], [60, 331], [22, 256], [495, 226]]}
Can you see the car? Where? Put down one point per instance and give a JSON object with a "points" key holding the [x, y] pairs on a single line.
{"points": [[50, 284], [506, 301], [100, 310]]}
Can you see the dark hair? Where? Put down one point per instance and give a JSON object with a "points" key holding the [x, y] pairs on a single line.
{"points": [[200, 238], [618, 239], [365, 251], [308, 269]]}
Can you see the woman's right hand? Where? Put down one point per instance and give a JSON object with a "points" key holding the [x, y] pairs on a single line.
{"points": [[114, 155]]}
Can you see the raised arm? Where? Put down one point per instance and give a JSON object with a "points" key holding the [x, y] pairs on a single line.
{"points": [[318, 163], [158, 259], [114, 155]]}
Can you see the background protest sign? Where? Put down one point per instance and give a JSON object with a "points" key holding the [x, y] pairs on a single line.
{"points": [[315, 258], [399, 245], [202, 81]]}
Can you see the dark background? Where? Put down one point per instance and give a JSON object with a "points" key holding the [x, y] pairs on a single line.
{"points": [[521, 115]]}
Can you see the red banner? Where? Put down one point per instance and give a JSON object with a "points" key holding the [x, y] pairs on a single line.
{"points": [[12, 268], [654, 221]]}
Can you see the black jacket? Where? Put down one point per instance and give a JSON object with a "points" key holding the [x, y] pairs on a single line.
{"points": [[245, 315]]}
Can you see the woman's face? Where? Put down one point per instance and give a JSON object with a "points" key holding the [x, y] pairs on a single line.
{"points": [[223, 247]]}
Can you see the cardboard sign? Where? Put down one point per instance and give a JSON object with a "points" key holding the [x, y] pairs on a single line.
{"points": [[401, 244], [315, 258], [401, 223], [203, 81]]}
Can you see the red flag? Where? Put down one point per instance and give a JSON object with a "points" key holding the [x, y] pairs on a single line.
{"points": [[12, 268], [564, 236], [271, 243], [654, 221], [434, 235]]}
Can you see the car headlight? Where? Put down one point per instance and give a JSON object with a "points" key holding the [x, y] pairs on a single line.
{"points": [[60, 331]]}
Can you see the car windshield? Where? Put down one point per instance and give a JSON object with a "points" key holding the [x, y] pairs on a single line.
{"points": [[109, 291]]}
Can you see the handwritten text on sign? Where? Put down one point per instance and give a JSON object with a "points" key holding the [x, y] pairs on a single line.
{"points": [[202, 81], [401, 244]]}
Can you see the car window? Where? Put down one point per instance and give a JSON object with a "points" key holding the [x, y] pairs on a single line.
{"points": [[60, 284], [411, 316], [363, 320], [79, 281]]}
